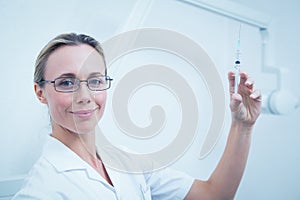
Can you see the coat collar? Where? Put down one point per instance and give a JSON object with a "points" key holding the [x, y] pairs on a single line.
{"points": [[62, 157]]}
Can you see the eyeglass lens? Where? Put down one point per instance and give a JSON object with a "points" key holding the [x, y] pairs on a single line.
{"points": [[65, 84]]}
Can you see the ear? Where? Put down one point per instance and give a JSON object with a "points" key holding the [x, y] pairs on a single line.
{"points": [[40, 93]]}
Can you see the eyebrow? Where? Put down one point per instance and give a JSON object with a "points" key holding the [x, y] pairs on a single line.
{"points": [[96, 74], [74, 75], [67, 75]]}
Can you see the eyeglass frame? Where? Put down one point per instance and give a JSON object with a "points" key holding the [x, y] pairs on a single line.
{"points": [[107, 78]]}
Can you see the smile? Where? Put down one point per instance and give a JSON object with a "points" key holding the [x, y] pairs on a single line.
{"points": [[84, 114]]}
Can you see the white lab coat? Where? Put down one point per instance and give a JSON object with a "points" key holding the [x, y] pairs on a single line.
{"points": [[60, 174]]}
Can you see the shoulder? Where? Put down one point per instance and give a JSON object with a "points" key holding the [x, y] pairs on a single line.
{"points": [[39, 184], [42, 170]]}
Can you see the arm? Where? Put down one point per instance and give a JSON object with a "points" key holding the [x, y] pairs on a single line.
{"points": [[245, 109]]}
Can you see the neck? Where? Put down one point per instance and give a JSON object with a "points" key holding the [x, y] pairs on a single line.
{"points": [[82, 144]]}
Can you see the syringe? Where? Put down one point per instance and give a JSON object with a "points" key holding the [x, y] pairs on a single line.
{"points": [[237, 64]]}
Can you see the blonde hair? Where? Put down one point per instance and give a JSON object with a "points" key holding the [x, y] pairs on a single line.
{"points": [[67, 39]]}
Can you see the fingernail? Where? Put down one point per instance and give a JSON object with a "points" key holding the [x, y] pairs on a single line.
{"points": [[248, 83], [253, 96]]}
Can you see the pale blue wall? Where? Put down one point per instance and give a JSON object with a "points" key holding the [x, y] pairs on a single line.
{"points": [[273, 168]]}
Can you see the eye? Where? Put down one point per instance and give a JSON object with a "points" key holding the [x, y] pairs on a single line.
{"points": [[65, 82], [95, 81]]}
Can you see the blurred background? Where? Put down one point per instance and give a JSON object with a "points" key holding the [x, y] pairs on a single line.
{"points": [[269, 42]]}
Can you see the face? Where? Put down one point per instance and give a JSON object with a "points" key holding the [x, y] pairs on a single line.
{"points": [[79, 111]]}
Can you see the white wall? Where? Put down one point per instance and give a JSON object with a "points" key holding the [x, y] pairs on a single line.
{"points": [[273, 168]]}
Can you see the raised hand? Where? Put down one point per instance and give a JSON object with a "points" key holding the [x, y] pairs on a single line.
{"points": [[246, 104]]}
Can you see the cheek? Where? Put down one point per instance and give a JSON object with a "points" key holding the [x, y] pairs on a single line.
{"points": [[58, 104], [100, 98]]}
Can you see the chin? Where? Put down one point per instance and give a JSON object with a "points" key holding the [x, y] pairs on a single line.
{"points": [[83, 130]]}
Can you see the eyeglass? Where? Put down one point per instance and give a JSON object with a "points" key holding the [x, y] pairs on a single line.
{"points": [[72, 84]]}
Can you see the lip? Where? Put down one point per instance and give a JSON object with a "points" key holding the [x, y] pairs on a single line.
{"points": [[84, 114]]}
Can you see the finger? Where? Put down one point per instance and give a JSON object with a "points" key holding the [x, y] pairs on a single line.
{"points": [[256, 95], [236, 100], [249, 83], [231, 78], [243, 78]]}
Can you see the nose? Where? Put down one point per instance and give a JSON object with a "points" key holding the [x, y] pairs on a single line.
{"points": [[83, 94]]}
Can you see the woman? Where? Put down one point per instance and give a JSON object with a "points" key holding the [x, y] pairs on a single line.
{"points": [[71, 79]]}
